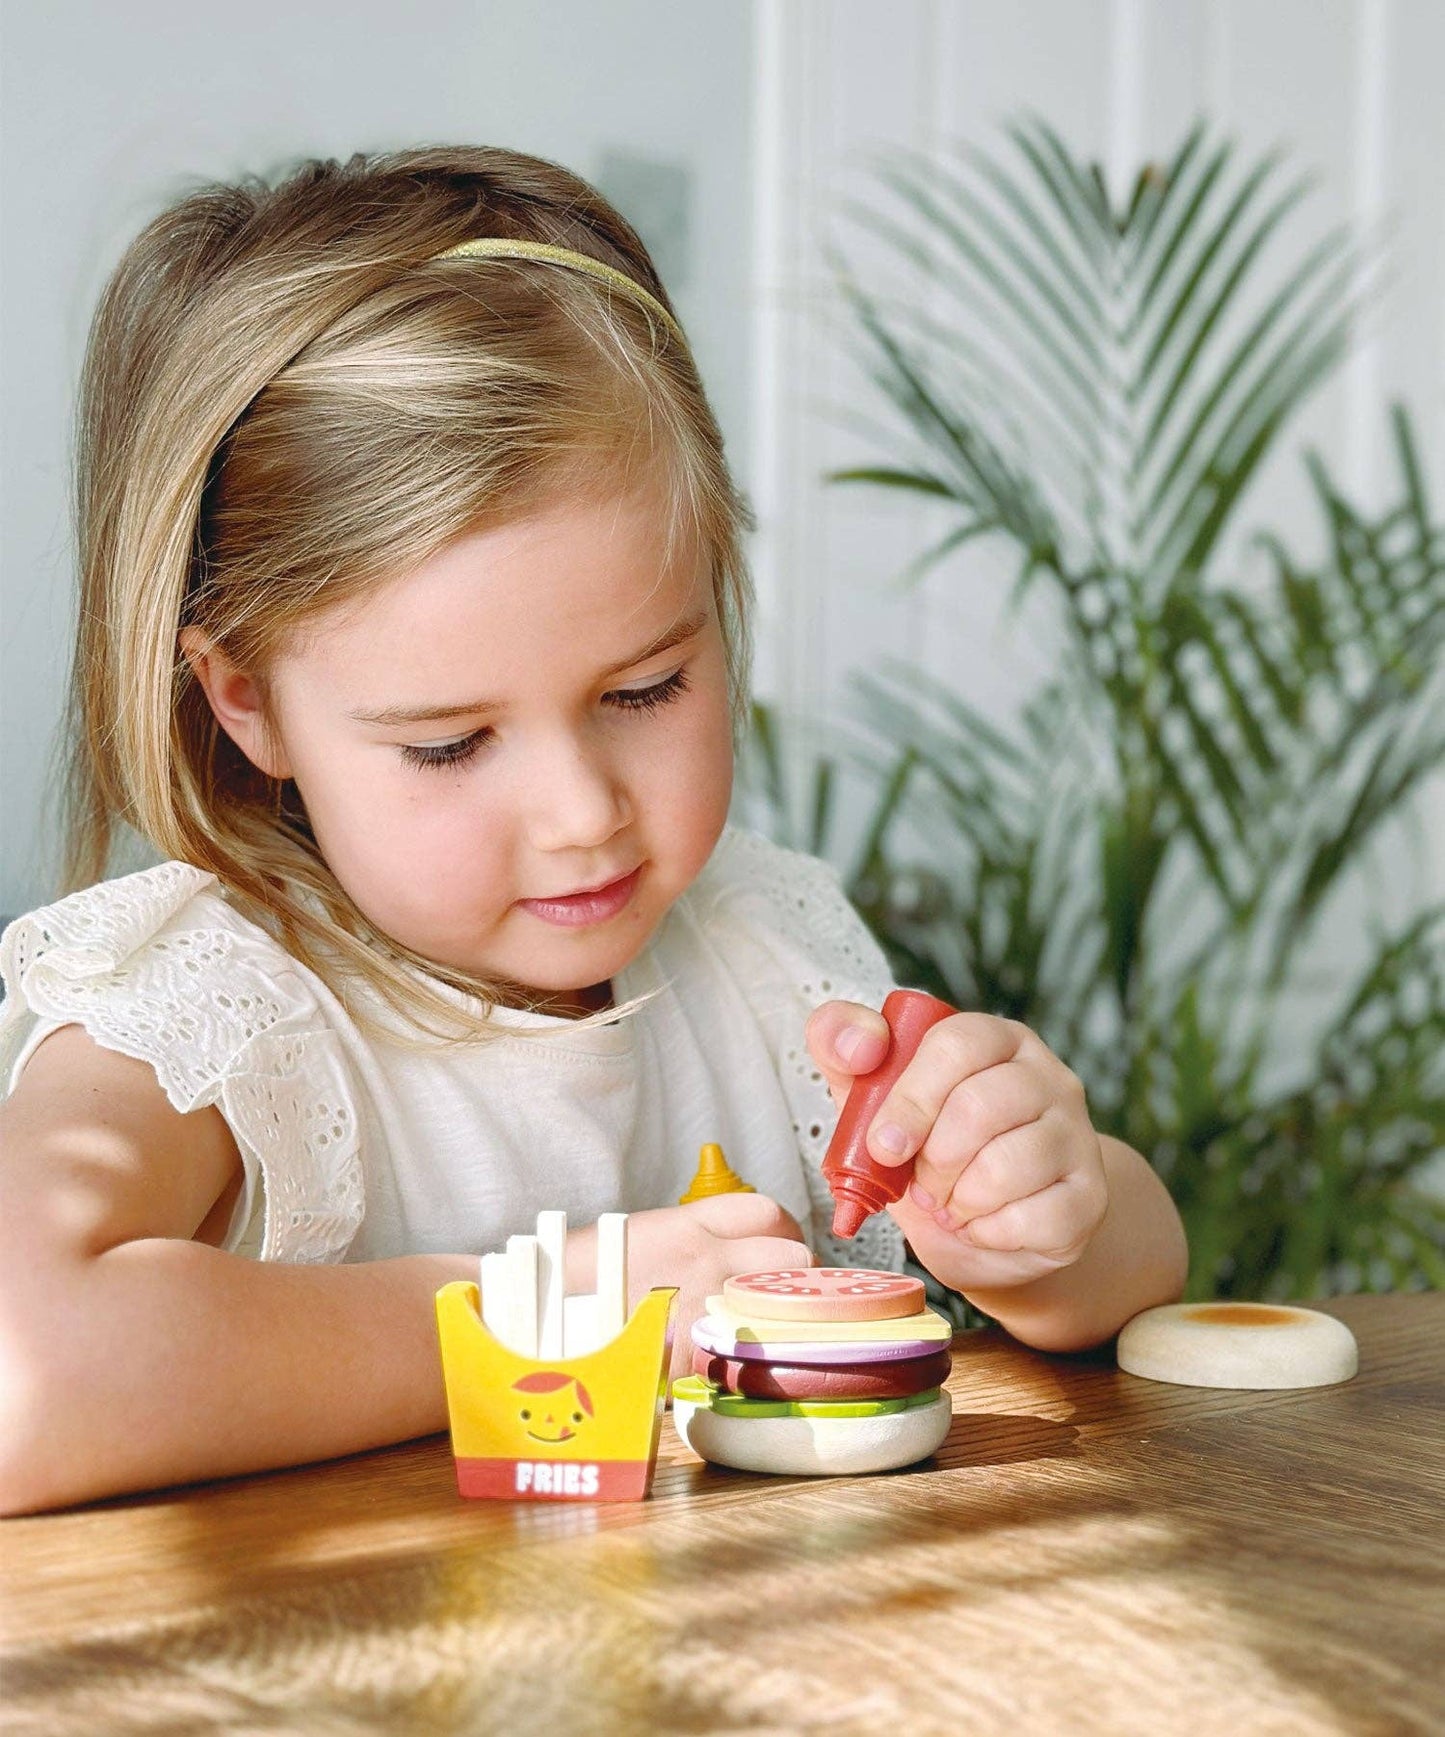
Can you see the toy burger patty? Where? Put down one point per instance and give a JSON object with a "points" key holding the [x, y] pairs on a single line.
{"points": [[818, 1370], [894, 1379]]}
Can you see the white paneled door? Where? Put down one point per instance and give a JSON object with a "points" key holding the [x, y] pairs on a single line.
{"points": [[1348, 87]]}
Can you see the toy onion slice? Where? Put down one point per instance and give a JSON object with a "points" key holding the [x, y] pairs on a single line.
{"points": [[719, 1335]]}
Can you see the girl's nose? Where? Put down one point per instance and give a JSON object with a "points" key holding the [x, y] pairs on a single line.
{"points": [[576, 797]]}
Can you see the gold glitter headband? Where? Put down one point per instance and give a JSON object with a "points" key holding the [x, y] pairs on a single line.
{"points": [[507, 247]]}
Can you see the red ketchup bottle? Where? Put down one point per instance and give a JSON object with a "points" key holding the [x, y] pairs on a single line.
{"points": [[860, 1186]]}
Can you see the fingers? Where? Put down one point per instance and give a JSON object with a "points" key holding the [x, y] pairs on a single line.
{"points": [[974, 1115], [743, 1215], [1025, 1192], [1056, 1222], [951, 1052], [845, 1039], [768, 1254], [1018, 1162]]}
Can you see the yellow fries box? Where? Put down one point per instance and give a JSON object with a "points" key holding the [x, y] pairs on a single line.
{"points": [[581, 1429]]}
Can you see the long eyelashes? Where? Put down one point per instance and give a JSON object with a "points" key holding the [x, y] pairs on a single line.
{"points": [[649, 699], [634, 700], [451, 754]]}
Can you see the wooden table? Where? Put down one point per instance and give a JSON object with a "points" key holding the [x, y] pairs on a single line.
{"points": [[1088, 1552]]}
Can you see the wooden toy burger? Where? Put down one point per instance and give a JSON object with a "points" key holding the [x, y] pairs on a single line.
{"points": [[816, 1370], [828, 1369]]}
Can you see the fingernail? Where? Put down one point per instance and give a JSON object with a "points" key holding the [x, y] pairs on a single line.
{"points": [[848, 1041], [892, 1139], [925, 1200]]}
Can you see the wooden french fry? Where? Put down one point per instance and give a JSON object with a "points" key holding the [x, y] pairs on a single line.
{"points": [[523, 1262], [496, 1296], [551, 1282], [611, 1275]]}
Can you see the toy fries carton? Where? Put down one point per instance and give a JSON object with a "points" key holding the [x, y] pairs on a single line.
{"points": [[570, 1428]]}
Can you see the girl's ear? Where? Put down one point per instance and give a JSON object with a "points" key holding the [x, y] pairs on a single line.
{"points": [[236, 701]]}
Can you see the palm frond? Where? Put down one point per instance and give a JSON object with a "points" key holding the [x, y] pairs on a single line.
{"points": [[1144, 865]]}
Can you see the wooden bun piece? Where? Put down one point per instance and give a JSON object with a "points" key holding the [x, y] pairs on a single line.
{"points": [[805, 1441], [1248, 1345]]}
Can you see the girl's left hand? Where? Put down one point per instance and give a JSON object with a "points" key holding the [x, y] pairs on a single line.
{"points": [[1009, 1180]]}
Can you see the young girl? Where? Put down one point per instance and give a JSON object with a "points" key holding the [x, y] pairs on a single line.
{"points": [[414, 640]]}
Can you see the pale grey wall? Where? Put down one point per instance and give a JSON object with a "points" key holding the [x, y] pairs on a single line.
{"points": [[105, 109]]}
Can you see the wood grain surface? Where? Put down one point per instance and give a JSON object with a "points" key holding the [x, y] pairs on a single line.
{"points": [[1088, 1552]]}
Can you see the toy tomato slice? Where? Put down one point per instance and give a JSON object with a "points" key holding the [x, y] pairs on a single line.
{"points": [[825, 1294]]}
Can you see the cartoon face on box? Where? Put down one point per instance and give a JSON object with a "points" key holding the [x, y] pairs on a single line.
{"points": [[553, 1408]]}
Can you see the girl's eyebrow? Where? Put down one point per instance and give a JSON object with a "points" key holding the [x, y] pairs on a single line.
{"points": [[674, 635]]}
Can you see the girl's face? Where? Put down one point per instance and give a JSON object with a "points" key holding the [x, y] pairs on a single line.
{"points": [[539, 709]]}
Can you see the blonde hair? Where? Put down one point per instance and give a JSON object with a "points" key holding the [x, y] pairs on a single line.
{"points": [[287, 399]]}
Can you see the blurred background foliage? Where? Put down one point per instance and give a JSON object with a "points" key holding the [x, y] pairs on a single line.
{"points": [[1147, 867]]}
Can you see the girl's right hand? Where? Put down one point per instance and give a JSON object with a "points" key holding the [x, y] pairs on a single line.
{"points": [[696, 1247]]}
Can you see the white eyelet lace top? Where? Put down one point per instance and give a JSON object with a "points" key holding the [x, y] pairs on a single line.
{"points": [[357, 1148]]}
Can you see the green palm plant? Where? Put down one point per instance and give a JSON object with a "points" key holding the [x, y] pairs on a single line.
{"points": [[1148, 865]]}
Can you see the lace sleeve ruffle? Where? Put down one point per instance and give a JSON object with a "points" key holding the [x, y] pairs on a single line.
{"points": [[156, 965], [788, 927]]}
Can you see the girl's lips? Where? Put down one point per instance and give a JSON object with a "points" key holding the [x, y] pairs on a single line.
{"points": [[581, 908]]}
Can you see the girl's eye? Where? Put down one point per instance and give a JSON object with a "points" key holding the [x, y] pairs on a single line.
{"points": [[626, 699], [446, 753], [647, 699]]}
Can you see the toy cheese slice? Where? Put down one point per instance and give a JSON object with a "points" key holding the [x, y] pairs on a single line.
{"points": [[925, 1325]]}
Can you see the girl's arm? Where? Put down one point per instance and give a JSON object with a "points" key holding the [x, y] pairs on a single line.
{"points": [[132, 1356]]}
